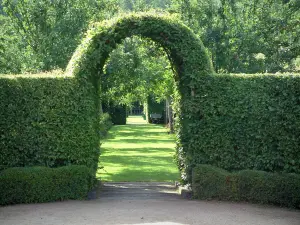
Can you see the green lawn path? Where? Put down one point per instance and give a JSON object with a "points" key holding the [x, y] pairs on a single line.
{"points": [[138, 152]]}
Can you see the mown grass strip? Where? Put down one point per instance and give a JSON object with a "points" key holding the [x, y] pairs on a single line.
{"points": [[138, 152]]}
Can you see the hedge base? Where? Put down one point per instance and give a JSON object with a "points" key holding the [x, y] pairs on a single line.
{"points": [[247, 185], [42, 184]]}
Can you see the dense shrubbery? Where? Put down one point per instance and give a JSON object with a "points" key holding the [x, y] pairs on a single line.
{"points": [[213, 183], [118, 113], [42, 184], [154, 107], [231, 121], [245, 122], [247, 185], [105, 124], [188, 56], [47, 120]]}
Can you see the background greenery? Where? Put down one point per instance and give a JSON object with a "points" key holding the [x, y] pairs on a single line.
{"points": [[241, 36], [117, 112], [137, 68], [105, 124], [233, 121]]}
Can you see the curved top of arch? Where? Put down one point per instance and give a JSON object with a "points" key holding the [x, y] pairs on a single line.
{"points": [[185, 50]]}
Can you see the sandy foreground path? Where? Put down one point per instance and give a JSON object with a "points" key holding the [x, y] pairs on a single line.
{"points": [[146, 212]]}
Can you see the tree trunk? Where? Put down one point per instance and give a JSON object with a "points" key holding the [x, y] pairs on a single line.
{"points": [[170, 114]]}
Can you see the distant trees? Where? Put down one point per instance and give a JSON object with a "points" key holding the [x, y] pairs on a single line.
{"points": [[47, 32], [247, 35], [242, 36], [135, 70]]}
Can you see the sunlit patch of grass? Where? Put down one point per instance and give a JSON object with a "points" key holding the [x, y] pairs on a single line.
{"points": [[138, 152]]}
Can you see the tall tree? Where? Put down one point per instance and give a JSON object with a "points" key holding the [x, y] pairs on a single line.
{"points": [[51, 30]]}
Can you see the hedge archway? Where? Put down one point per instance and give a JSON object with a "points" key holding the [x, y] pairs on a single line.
{"points": [[186, 52]]}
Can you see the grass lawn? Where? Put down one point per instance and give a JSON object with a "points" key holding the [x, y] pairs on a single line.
{"points": [[138, 152]]}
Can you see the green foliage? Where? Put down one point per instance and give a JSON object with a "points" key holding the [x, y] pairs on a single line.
{"points": [[246, 122], [42, 184], [154, 107], [118, 113], [213, 183], [143, 5], [10, 61], [247, 185], [236, 31], [259, 186], [48, 32], [45, 33], [171, 34], [230, 121], [105, 124], [136, 69], [187, 55], [48, 120]]}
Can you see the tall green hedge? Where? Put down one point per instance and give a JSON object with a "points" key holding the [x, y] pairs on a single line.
{"points": [[154, 107], [118, 113], [43, 184], [230, 121], [48, 120], [246, 122], [188, 56]]}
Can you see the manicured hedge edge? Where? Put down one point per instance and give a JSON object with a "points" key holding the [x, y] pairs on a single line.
{"points": [[244, 121], [42, 184], [210, 182]]}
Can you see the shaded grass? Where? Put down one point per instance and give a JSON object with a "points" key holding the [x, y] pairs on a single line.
{"points": [[138, 152]]}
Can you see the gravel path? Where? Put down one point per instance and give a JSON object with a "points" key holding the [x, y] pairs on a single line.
{"points": [[151, 204]]}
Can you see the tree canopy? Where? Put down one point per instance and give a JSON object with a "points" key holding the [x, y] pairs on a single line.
{"points": [[241, 36], [136, 69]]}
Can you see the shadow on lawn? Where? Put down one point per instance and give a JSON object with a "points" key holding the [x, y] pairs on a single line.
{"points": [[140, 149], [132, 161], [140, 140], [147, 176], [138, 132], [138, 152]]}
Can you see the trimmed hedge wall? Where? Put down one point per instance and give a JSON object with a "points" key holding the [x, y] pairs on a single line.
{"points": [[43, 184], [155, 107], [244, 122], [247, 185], [48, 120], [118, 113], [231, 121], [188, 56]]}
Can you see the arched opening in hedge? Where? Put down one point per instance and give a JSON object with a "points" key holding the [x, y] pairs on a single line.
{"points": [[186, 53]]}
